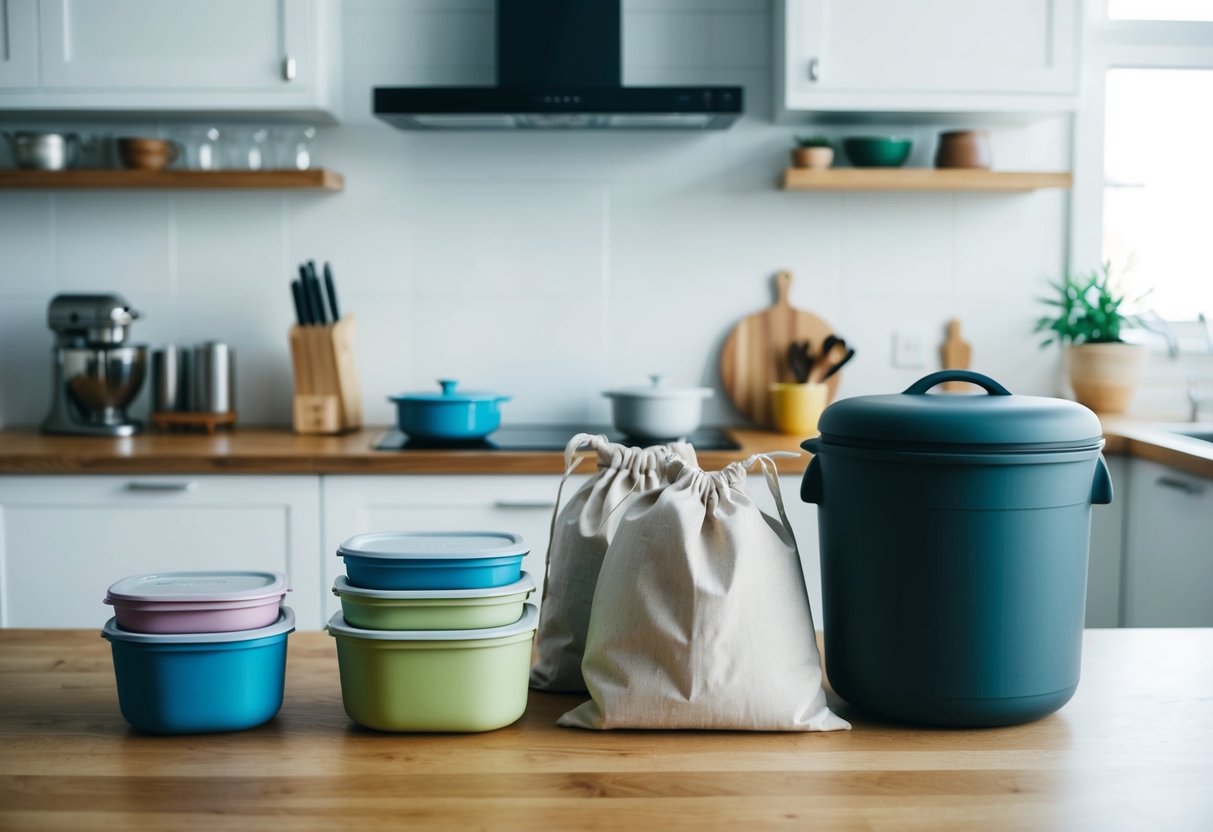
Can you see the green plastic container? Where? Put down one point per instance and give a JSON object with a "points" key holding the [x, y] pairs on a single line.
{"points": [[954, 534], [433, 609], [439, 680]]}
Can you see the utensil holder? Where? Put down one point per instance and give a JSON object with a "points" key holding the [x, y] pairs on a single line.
{"points": [[327, 396]]}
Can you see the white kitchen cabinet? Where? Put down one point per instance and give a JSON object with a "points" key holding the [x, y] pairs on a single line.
{"points": [[18, 43], [65, 539], [1169, 548], [185, 56], [516, 503], [946, 56]]}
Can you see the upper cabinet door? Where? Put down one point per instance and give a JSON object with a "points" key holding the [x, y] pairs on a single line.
{"points": [[18, 43], [946, 54], [183, 45]]}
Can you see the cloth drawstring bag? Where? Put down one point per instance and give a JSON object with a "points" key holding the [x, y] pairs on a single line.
{"points": [[578, 541], [701, 617]]}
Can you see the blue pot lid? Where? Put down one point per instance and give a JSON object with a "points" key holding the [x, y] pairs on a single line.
{"points": [[177, 587], [917, 420], [284, 624], [448, 394], [525, 584], [434, 545], [527, 623]]}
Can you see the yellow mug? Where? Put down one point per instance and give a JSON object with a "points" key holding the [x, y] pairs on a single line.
{"points": [[795, 408]]}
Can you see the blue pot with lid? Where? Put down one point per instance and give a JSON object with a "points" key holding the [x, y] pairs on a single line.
{"points": [[448, 415], [954, 535]]}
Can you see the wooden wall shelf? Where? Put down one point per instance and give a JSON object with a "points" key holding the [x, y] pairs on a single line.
{"points": [[320, 179], [918, 179]]}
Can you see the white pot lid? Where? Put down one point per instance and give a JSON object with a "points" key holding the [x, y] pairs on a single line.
{"points": [[658, 388], [342, 586], [284, 624], [527, 623], [235, 585], [434, 545]]}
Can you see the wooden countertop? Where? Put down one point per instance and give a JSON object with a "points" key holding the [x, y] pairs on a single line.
{"points": [[1132, 750], [252, 450], [279, 451]]}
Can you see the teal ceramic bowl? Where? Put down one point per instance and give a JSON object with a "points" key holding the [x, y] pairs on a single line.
{"points": [[877, 151]]}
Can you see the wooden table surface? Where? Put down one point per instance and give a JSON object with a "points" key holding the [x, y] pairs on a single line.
{"points": [[1132, 750]]}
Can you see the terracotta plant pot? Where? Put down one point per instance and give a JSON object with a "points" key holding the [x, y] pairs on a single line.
{"points": [[964, 149], [818, 158], [1104, 376], [147, 154]]}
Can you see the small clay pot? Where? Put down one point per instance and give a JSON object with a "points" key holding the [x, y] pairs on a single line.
{"points": [[818, 158], [964, 149], [147, 154]]}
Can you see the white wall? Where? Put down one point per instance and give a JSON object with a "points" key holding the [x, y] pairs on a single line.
{"points": [[549, 266]]}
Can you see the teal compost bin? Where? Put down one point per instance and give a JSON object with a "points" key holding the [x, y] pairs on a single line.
{"points": [[954, 533]]}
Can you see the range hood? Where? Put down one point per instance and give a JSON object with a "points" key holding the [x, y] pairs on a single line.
{"points": [[558, 67]]}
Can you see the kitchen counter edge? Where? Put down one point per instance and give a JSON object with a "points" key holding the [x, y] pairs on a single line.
{"points": [[257, 450]]}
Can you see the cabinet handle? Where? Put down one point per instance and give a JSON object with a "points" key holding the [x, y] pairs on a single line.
{"points": [[547, 505], [288, 68], [161, 487], [814, 69], [1189, 488]]}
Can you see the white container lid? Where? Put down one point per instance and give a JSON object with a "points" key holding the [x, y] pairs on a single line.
{"points": [[434, 545], [527, 623], [200, 586], [342, 586], [284, 624], [658, 389]]}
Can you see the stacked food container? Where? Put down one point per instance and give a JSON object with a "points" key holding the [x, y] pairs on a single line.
{"points": [[199, 652], [434, 632]]}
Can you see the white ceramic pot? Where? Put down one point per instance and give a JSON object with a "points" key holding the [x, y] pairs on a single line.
{"points": [[657, 411]]}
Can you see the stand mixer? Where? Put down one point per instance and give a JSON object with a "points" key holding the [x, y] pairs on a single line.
{"points": [[96, 373]]}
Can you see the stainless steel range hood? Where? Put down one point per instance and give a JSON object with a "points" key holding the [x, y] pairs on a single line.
{"points": [[558, 67]]}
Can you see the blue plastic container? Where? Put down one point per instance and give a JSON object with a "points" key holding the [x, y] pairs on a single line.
{"points": [[449, 416], [433, 560], [194, 683]]}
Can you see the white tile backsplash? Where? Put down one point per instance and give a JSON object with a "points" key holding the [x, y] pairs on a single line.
{"points": [[548, 265]]}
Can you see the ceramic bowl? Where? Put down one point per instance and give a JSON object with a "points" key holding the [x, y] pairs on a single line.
{"points": [[877, 151]]}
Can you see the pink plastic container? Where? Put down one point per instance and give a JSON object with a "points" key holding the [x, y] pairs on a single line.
{"points": [[198, 602]]}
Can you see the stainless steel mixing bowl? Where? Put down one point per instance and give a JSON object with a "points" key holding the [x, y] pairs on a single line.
{"points": [[102, 382]]}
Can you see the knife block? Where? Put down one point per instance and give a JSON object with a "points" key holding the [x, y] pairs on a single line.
{"points": [[327, 396]]}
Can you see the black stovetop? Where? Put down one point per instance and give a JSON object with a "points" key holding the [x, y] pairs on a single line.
{"points": [[545, 438]]}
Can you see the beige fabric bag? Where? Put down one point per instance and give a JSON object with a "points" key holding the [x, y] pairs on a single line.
{"points": [[580, 534], [701, 617]]}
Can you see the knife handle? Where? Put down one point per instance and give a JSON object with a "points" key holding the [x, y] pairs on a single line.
{"points": [[301, 308], [332, 292]]}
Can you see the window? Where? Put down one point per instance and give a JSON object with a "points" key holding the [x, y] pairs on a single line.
{"points": [[1143, 162], [1158, 187]]}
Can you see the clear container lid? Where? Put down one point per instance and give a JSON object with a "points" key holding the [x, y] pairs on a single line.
{"points": [[284, 624], [199, 586], [658, 388], [449, 394], [527, 623], [342, 586], [434, 545]]}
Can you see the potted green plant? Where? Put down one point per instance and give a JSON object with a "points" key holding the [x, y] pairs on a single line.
{"points": [[1087, 320], [813, 152]]}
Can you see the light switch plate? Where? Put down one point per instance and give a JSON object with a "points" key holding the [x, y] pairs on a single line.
{"points": [[909, 350]]}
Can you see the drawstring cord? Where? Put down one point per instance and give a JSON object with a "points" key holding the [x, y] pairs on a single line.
{"points": [[767, 461], [582, 441]]}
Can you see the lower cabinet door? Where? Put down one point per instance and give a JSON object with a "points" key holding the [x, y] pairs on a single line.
{"points": [[514, 503], [1169, 552], [65, 539]]}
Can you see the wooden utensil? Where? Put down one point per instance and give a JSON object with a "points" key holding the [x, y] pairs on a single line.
{"points": [[955, 354], [755, 352]]}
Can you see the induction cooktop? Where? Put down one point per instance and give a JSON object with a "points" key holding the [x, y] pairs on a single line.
{"points": [[545, 438]]}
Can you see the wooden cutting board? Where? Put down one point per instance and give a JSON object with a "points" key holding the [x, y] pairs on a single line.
{"points": [[755, 352], [955, 354]]}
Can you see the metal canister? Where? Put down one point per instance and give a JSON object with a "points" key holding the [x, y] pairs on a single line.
{"points": [[170, 379], [214, 378]]}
